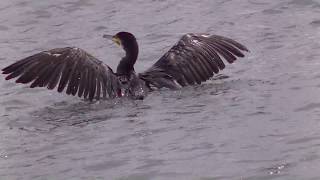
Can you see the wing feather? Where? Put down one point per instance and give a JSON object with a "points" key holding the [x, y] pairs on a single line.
{"points": [[98, 91], [68, 68], [83, 81], [201, 66], [87, 86], [193, 59], [93, 86], [55, 76]]}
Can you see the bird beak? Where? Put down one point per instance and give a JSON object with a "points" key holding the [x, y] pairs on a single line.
{"points": [[107, 36], [113, 38]]}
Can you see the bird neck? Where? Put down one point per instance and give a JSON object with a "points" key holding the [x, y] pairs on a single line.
{"points": [[126, 65]]}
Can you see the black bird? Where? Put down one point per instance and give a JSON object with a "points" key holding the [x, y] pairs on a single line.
{"points": [[192, 60]]}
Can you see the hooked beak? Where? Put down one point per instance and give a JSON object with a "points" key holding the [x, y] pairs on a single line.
{"points": [[113, 38]]}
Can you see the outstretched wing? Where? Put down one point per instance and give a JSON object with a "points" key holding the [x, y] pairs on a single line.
{"points": [[71, 68], [194, 59]]}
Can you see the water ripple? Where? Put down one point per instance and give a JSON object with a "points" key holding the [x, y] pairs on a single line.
{"points": [[258, 120]]}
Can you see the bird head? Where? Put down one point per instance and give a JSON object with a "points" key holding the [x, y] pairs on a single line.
{"points": [[125, 40], [129, 43]]}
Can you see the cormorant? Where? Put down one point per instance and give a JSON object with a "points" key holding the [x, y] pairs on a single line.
{"points": [[192, 60]]}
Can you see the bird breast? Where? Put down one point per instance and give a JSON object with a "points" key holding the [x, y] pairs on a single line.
{"points": [[132, 86]]}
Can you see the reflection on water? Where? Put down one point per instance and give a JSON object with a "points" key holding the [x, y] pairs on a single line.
{"points": [[259, 120]]}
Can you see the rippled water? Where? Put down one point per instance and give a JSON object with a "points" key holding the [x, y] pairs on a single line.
{"points": [[260, 123]]}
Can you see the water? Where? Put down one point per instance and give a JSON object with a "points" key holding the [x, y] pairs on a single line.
{"points": [[260, 123]]}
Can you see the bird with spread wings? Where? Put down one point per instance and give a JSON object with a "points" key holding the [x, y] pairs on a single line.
{"points": [[192, 60]]}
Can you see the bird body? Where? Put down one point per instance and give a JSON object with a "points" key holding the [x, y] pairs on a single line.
{"points": [[192, 60]]}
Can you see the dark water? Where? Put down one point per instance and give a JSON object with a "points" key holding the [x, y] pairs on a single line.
{"points": [[260, 123]]}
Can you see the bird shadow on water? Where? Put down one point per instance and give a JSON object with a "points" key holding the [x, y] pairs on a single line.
{"points": [[78, 114]]}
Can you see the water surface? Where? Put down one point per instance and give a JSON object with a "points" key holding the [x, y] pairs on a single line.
{"points": [[260, 123]]}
